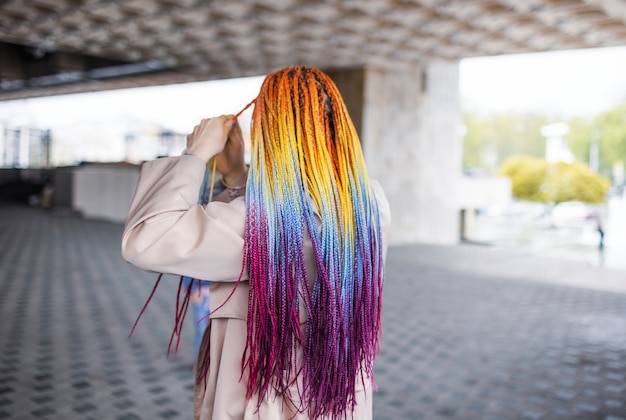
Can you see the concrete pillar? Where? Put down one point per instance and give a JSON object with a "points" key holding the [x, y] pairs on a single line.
{"points": [[409, 123]]}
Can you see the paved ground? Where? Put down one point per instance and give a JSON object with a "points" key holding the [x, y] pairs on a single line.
{"points": [[470, 332]]}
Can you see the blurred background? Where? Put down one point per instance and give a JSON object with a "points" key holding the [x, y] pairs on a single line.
{"points": [[553, 124], [497, 129]]}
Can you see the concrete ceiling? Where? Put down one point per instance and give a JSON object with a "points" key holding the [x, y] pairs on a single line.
{"points": [[50, 47]]}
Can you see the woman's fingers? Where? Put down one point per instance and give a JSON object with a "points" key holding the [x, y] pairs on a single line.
{"points": [[208, 138]]}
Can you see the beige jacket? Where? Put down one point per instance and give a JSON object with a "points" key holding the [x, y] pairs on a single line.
{"points": [[168, 232]]}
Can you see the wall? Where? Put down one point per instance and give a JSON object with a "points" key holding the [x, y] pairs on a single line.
{"points": [[104, 191], [411, 122]]}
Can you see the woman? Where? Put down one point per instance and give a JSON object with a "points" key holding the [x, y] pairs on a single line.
{"points": [[296, 265]]}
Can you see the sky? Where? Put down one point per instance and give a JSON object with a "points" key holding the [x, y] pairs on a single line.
{"points": [[563, 84], [179, 107]]}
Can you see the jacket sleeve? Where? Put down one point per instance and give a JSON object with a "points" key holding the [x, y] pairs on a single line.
{"points": [[384, 213], [168, 232]]}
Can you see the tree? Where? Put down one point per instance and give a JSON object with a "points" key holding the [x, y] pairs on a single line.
{"points": [[527, 175], [580, 136], [533, 179], [608, 129], [489, 140], [611, 127]]}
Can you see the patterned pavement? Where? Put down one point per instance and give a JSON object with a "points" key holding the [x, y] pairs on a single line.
{"points": [[469, 332]]}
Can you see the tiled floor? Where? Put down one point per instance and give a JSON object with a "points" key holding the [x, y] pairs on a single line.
{"points": [[470, 332]]}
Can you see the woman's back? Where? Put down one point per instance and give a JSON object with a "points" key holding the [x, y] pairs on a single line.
{"points": [[296, 267]]}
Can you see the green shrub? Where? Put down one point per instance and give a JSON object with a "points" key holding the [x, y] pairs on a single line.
{"points": [[533, 179]]}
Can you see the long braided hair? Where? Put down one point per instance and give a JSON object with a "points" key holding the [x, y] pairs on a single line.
{"points": [[308, 178]]}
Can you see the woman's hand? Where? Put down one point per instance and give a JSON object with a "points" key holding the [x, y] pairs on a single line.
{"points": [[208, 137], [235, 135]]}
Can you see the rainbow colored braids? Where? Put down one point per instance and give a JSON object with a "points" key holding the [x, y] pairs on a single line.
{"points": [[307, 162]]}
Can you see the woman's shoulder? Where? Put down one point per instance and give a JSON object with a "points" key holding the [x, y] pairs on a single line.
{"points": [[379, 193], [384, 210]]}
